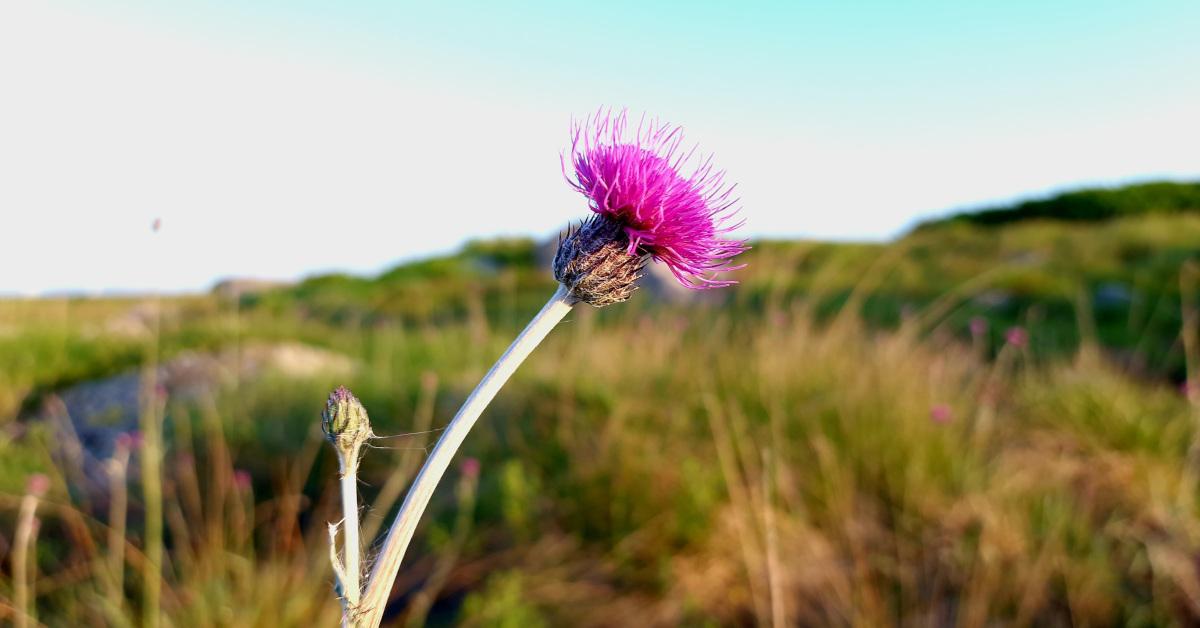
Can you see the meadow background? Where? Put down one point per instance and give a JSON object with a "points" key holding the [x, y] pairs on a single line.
{"points": [[985, 421]]}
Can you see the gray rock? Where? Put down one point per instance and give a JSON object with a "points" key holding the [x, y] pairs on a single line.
{"points": [[1113, 295], [95, 412]]}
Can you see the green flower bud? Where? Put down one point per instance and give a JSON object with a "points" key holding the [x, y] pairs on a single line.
{"points": [[345, 421]]}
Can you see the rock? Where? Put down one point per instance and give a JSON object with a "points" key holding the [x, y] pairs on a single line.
{"points": [[993, 299], [1113, 295], [97, 411]]}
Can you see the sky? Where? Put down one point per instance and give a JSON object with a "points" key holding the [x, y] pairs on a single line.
{"points": [[281, 139]]}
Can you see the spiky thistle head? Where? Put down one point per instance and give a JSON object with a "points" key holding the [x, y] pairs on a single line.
{"points": [[652, 200], [345, 421]]}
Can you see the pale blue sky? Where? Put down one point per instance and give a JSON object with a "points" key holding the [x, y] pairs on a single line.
{"points": [[277, 139]]}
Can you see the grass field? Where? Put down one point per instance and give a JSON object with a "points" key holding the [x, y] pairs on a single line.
{"points": [[853, 436]]}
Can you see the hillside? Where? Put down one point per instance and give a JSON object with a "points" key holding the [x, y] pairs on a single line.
{"points": [[1112, 282], [1094, 204]]}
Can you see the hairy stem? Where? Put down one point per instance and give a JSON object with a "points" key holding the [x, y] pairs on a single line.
{"points": [[401, 532]]}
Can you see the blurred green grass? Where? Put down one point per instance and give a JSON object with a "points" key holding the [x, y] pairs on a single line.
{"points": [[826, 444]]}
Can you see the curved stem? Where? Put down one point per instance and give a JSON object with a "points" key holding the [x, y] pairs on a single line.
{"points": [[401, 532]]}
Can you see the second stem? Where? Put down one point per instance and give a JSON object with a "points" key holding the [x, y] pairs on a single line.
{"points": [[351, 546]]}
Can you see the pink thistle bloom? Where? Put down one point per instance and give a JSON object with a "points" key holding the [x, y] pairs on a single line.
{"points": [[941, 414], [671, 205], [979, 326], [1017, 337]]}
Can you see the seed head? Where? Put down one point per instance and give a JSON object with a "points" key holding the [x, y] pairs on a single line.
{"points": [[593, 262], [345, 420]]}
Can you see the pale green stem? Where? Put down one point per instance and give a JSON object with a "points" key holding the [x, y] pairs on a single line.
{"points": [[351, 546], [401, 532]]}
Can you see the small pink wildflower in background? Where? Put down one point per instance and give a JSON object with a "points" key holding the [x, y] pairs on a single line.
{"points": [[979, 326], [1017, 337], [38, 484], [470, 468], [670, 203], [242, 480], [941, 414], [133, 439]]}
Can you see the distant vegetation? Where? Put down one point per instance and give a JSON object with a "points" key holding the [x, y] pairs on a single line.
{"points": [[1091, 205], [1111, 279], [439, 289]]}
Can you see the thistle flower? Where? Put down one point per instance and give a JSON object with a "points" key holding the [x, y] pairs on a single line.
{"points": [[651, 200]]}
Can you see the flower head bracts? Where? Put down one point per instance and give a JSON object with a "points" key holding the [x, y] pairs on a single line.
{"points": [[345, 422], [670, 205]]}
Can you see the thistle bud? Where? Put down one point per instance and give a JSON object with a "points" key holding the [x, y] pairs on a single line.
{"points": [[594, 263], [345, 421]]}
